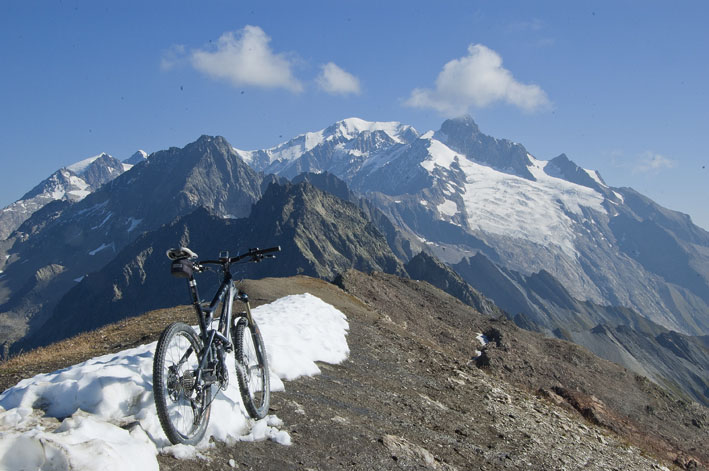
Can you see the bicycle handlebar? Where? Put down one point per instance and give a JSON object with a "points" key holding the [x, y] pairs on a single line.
{"points": [[255, 254]]}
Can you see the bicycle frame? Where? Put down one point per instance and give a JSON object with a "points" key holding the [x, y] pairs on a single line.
{"points": [[225, 295]]}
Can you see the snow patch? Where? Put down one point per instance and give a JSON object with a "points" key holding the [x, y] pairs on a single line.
{"points": [[350, 127], [57, 193], [78, 182], [439, 155], [105, 220], [99, 399], [483, 341], [246, 155], [346, 129], [133, 223], [448, 207], [101, 247], [296, 147], [290, 352], [597, 178], [93, 208], [79, 167], [78, 194]]}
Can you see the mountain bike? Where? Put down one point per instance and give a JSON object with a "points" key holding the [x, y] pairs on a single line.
{"points": [[189, 368]]}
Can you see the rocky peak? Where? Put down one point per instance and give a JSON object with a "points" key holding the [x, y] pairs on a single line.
{"points": [[463, 125], [207, 143], [463, 136], [136, 158], [425, 267], [562, 166], [104, 169], [324, 234]]}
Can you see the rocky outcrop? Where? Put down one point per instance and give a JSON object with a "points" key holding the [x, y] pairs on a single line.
{"points": [[427, 268]]}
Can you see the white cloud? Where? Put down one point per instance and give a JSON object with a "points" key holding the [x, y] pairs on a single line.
{"points": [[477, 80], [336, 81], [652, 162], [244, 58]]}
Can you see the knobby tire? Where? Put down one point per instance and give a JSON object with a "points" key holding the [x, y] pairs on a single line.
{"points": [[252, 369], [183, 410]]}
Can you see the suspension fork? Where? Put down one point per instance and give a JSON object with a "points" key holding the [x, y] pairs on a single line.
{"points": [[244, 298]]}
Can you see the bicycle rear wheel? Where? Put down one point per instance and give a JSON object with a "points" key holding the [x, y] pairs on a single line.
{"points": [[183, 408], [252, 369]]}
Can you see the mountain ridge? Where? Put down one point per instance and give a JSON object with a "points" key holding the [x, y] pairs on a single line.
{"points": [[553, 233], [431, 402]]}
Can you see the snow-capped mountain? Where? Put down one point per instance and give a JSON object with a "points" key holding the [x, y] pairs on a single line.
{"points": [[70, 183], [337, 149], [460, 192], [135, 159]]}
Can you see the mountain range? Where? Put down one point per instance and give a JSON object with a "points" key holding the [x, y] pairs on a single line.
{"points": [[71, 183], [550, 243]]}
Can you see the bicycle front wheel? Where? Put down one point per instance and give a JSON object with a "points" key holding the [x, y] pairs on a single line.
{"points": [[252, 369], [183, 406]]}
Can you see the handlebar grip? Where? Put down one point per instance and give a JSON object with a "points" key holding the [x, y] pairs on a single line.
{"points": [[271, 250]]}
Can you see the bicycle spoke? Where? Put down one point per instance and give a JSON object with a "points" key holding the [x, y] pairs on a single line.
{"points": [[180, 402]]}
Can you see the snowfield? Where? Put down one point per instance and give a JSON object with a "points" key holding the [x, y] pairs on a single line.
{"points": [[504, 204], [100, 414], [347, 129]]}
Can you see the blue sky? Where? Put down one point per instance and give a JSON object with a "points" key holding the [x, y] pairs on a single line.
{"points": [[618, 86]]}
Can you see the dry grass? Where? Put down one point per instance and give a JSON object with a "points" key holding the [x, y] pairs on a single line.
{"points": [[143, 329], [112, 338]]}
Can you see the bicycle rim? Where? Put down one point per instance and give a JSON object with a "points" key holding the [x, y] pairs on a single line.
{"points": [[252, 370], [183, 408]]}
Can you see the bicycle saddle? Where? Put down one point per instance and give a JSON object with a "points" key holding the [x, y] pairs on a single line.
{"points": [[181, 253]]}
